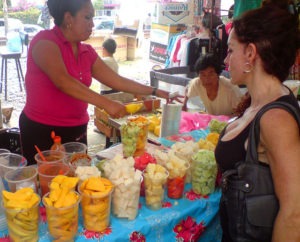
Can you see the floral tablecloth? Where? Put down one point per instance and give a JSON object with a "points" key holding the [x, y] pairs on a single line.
{"points": [[180, 218]]}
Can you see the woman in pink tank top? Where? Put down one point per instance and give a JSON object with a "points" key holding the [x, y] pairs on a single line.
{"points": [[59, 72]]}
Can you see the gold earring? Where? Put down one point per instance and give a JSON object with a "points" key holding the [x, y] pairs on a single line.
{"points": [[246, 65]]}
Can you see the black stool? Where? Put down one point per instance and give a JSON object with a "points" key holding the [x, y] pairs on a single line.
{"points": [[10, 55]]}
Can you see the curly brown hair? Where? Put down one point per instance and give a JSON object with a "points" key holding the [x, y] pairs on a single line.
{"points": [[274, 31]]}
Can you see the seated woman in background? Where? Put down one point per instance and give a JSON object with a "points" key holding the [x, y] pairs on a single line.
{"points": [[218, 95]]}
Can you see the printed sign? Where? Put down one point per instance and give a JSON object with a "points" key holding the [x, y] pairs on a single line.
{"points": [[158, 52], [175, 13]]}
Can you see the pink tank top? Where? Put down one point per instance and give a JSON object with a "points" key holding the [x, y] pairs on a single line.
{"points": [[44, 102]]}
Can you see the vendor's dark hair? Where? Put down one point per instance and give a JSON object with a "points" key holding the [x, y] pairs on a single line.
{"points": [[110, 45], [58, 8], [274, 31], [208, 60]]}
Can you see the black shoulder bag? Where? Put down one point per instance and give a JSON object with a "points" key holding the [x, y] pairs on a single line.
{"points": [[248, 194]]}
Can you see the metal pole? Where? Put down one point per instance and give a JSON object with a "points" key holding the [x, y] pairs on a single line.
{"points": [[211, 24], [5, 15]]}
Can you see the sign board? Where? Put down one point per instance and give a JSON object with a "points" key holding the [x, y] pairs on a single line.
{"points": [[158, 52], [175, 13]]}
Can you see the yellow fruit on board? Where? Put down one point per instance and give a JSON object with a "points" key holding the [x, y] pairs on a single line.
{"points": [[133, 107]]}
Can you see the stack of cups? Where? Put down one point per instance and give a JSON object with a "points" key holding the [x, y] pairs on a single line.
{"points": [[3, 223], [170, 119]]}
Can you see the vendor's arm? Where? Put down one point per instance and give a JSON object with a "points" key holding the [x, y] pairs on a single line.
{"points": [[105, 75], [280, 138], [47, 56]]}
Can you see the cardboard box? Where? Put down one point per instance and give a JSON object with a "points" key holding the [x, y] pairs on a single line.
{"points": [[158, 52], [161, 33], [132, 45], [97, 40], [175, 13]]}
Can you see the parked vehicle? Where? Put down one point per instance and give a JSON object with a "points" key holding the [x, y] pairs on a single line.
{"points": [[32, 29], [13, 24]]}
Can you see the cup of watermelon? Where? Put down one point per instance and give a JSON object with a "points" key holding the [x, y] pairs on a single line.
{"points": [[141, 163]]}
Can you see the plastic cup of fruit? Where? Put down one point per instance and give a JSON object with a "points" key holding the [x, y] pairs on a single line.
{"points": [[176, 182], [203, 177], [4, 151], [62, 222], [11, 161], [154, 190], [96, 210], [188, 159], [131, 197], [23, 225], [74, 148], [51, 156], [22, 177], [48, 171]]}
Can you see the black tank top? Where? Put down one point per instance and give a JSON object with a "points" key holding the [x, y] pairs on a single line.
{"points": [[228, 153]]}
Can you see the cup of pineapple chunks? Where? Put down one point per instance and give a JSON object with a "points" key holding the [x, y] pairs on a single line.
{"points": [[96, 203], [155, 178], [22, 214], [62, 221]]}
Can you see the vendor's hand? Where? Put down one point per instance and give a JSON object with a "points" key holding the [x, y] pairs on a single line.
{"points": [[166, 95], [174, 97], [116, 110]]}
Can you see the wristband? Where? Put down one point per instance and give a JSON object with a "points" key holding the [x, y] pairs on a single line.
{"points": [[154, 91]]}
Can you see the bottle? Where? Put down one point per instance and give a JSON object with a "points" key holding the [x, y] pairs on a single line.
{"points": [[57, 143]]}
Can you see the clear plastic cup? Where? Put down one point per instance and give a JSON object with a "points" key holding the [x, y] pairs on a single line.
{"points": [[51, 156], [75, 147], [142, 136], [62, 222], [96, 211], [76, 151], [3, 224], [20, 178], [204, 176], [23, 225], [11, 161], [176, 181], [4, 151], [126, 204], [154, 190], [48, 171]]}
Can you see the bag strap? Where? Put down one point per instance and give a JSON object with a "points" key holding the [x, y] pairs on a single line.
{"points": [[254, 133]]}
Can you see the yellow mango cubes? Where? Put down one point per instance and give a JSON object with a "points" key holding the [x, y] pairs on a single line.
{"points": [[133, 107], [22, 214], [62, 207], [95, 203]]}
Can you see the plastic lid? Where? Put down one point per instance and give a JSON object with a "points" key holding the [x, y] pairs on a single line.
{"points": [[57, 139]]}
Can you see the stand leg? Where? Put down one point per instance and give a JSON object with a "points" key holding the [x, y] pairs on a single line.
{"points": [[5, 66], [1, 75], [18, 71]]}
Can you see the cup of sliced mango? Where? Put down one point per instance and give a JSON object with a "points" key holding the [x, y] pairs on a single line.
{"points": [[22, 214], [62, 203], [96, 203]]}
